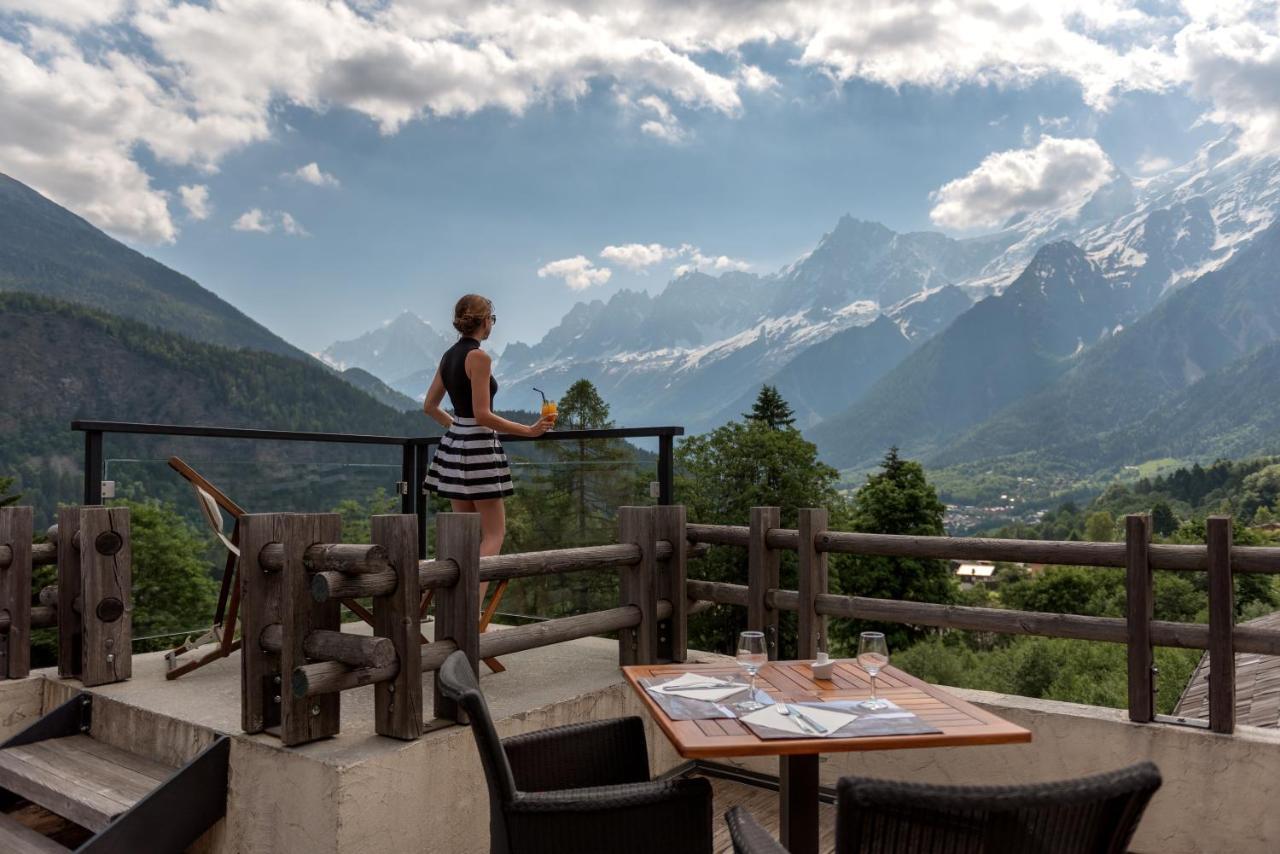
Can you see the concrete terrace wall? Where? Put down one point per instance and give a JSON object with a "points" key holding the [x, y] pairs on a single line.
{"points": [[360, 793]]}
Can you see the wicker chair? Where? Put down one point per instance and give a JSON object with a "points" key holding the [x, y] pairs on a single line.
{"points": [[1091, 815], [579, 788]]}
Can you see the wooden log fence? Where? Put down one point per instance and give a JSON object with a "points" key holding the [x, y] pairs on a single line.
{"points": [[294, 576], [1137, 555], [94, 617]]}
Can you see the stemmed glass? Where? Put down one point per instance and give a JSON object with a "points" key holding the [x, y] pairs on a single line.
{"points": [[873, 653], [751, 656]]}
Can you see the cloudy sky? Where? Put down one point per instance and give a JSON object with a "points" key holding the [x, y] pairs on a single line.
{"points": [[325, 165]]}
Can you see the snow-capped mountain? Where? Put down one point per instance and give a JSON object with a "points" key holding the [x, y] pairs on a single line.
{"points": [[394, 352], [690, 353]]}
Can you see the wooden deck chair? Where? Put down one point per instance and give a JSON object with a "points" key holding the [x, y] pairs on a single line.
{"points": [[212, 502]]}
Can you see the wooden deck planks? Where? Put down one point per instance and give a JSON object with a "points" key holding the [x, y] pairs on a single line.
{"points": [[16, 838], [83, 780], [762, 803]]}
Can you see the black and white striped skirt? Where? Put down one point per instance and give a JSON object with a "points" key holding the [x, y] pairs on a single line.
{"points": [[470, 464]]}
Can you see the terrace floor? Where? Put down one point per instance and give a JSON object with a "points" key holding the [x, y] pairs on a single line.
{"points": [[762, 803]]}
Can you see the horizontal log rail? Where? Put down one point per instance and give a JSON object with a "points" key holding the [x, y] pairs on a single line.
{"points": [[1177, 558], [433, 574], [42, 617], [311, 680], [995, 620], [343, 647], [330, 557]]}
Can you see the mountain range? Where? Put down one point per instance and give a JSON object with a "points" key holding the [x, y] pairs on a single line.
{"points": [[704, 344], [1087, 338]]}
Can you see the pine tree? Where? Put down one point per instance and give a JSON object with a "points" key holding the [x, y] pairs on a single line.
{"points": [[7, 498], [1163, 521], [771, 410], [898, 499]]}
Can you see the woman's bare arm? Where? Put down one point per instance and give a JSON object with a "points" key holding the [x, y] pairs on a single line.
{"points": [[431, 406], [479, 366]]}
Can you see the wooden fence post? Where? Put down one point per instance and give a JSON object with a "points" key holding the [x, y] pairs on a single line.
{"points": [[673, 633], [398, 702], [1222, 658], [763, 566], [261, 686], [15, 592], [812, 635], [69, 627], [458, 607], [1140, 609], [638, 585], [304, 719], [106, 596]]}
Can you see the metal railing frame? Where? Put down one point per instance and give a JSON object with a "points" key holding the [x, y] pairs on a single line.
{"points": [[415, 453]]}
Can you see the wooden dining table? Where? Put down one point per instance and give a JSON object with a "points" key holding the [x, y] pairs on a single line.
{"points": [[961, 724]]}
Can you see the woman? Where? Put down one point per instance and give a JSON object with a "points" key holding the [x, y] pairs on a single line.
{"points": [[470, 468]]}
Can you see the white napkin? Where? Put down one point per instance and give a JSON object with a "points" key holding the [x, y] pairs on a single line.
{"points": [[710, 695], [771, 718]]}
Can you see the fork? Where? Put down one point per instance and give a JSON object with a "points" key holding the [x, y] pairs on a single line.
{"points": [[785, 710]]}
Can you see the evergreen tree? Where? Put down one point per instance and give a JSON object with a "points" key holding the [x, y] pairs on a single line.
{"points": [[591, 470], [1100, 527], [721, 475], [6, 497], [898, 499], [771, 410], [1163, 521]]}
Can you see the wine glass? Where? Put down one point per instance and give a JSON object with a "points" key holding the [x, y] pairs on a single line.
{"points": [[751, 656], [873, 653]]}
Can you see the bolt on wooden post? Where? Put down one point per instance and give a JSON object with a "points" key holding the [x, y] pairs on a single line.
{"points": [[673, 573], [278, 618], [94, 595], [458, 606], [638, 586], [763, 569], [1140, 610], [813, 582], [15, 591], [1222, 657], [398, 701]]}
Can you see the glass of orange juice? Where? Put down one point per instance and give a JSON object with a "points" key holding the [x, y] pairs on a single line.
{"points": [[548, 408]]}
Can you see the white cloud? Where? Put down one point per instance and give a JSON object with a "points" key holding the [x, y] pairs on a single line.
{"points": [[253, 220], [704, 263], [292, 226], [195, 198], [638, 256], [662, 124], [70, 13], [190, 82], [578, 272], [313, 174], [1150, 164], [755, 79], [1055, 173]]}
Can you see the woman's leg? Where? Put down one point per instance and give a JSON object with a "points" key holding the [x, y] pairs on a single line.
{"points": [[493, 529]]}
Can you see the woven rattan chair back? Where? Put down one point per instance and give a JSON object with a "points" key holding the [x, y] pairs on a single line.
{"points": [[1090, 815]]}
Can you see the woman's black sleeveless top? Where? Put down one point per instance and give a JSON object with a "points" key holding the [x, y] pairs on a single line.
{"points": [[454, 375]]}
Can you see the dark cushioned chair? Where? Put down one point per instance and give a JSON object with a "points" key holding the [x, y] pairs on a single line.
{"points": [[1091, 815], [579, 788]]}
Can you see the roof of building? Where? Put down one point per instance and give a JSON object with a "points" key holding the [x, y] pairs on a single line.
{"points": [[979, 570], [1257, 685]]}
